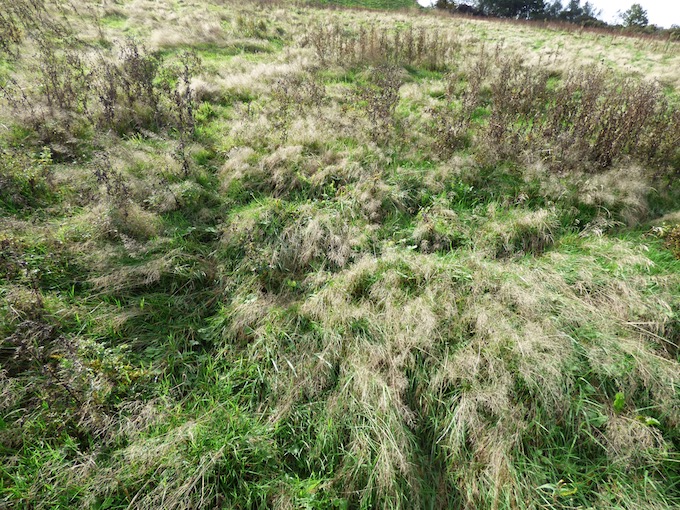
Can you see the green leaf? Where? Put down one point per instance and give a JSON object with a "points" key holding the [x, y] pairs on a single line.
{"points": [[649, 421], [619, 402]]}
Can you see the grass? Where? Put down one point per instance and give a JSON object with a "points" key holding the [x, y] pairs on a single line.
{"points": [[281, 256], [369, 4]]}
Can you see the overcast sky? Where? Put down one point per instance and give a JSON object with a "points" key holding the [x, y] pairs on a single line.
{"points": [[661, 12]]}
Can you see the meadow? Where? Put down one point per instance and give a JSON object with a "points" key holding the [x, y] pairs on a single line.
{"points": [[267, 254]]}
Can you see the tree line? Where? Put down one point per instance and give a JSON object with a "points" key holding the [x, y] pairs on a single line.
{"points": [[573, 12]]}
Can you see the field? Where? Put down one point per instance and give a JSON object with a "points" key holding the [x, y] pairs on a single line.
{"points": [[269, 255], [368, 4]]}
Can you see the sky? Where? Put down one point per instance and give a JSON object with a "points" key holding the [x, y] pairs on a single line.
{"points": [[663, 13]]}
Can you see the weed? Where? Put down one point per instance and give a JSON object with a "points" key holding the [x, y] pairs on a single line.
{"points": [[296, 96], [26, 181], [117, 190], [132, 92], [374, 46], [672, 237], [379, 99], [250, 26]]}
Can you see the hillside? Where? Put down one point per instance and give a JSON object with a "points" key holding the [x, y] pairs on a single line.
{"points": [[369, 4], [266, 255]]}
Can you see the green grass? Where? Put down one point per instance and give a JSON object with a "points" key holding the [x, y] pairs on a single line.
{"points": [[337, 276], [115, 20]]}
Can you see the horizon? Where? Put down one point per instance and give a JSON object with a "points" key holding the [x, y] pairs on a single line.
{"points": [[659, 12]]}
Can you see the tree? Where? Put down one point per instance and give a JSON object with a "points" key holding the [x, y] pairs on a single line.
{"points": [[574, 12], [512, 8], [553, 10], [636, 16]]}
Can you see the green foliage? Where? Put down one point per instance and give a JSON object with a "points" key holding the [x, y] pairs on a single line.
{"points": [[25, 181], [635, 16], [575, 12], [619, 402], [572, 12], [512, 8]]}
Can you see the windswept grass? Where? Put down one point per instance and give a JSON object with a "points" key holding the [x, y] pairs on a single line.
{"points": [[269, 255]]}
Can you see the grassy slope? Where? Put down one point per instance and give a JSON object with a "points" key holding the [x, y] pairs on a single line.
{"points": [[372, 4], [330, 295]]}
